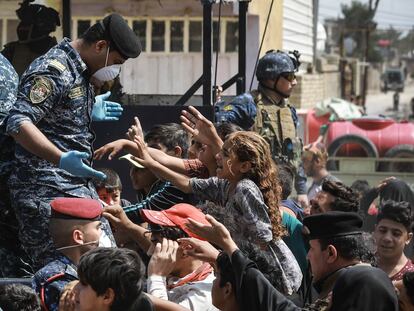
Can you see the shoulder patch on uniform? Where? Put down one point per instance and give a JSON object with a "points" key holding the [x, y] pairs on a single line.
{"points": [[58, 65], [40, 90], [228, 108]]}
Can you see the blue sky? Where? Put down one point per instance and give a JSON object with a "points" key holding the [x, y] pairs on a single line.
{"points": [[399, 13]]}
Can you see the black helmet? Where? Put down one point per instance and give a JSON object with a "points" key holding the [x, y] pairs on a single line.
{"points": [[274, 63]]}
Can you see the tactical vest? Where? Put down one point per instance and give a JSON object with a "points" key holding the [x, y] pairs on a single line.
{"points": [[22, 57], [275, 124]]}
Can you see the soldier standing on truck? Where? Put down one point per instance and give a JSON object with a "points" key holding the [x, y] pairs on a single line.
{"points": [[267, 112]]}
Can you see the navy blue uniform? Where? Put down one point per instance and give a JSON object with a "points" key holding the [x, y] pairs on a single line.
{"points": [[50, 281], [55, 94]]}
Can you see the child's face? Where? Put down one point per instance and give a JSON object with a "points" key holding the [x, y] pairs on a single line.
{"points": [[111, 197], [142, 178], [228, 165], [87, 300]]}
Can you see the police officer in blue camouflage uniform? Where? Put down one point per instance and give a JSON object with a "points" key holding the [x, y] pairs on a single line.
{"points": [[75, 227], [267, 111], [10, 252], [51, 124]]}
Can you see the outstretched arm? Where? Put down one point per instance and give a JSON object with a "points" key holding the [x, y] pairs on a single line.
{"points": [[181, 181], [201, 129]]}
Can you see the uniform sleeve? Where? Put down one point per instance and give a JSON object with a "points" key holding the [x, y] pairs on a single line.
{"points": [[213, 189], [254, 291], [249, 200], [300, 180], [241, 111], [294, 116], [38, 93]]}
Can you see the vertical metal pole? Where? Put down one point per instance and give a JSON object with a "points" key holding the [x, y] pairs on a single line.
{"points": [[207, 53], [315, 30], [66, 17], [241, 81]]}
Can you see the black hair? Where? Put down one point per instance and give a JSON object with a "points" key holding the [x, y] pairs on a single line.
{"points": [[117, 268], [399, 212], [361, 187], [368, 249], [94, 33], [111, 183], [286, 177], [170, 233], [170, 135], [346, 200], [18, 297], [226, 128], [408, 281], [349, 247], [262, 260]]}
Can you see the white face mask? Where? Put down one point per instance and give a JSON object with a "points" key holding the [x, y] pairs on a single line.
{"points": [[104, 241], [107, 73]]}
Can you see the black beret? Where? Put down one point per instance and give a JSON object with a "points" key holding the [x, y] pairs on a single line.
{"points": [[333, 224], [124, 39]]}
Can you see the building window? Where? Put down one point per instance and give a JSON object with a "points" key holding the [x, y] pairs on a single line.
{"points": [[140, 29], [83, 25], [158, 36], [195, 36], [216, 43], [232, 36], [177, 36]]}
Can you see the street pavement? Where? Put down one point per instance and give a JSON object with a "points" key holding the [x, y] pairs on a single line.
{"points": [[380, 103]]}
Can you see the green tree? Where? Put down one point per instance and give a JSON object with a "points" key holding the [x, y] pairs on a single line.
{"points": [[358, 19]]}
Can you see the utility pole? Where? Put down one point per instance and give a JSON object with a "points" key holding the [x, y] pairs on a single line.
{"points": [[315, 29], [373, 10]]}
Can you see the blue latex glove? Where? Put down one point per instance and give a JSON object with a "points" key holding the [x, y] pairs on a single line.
{"points": [[71, 162], [104, 110]]}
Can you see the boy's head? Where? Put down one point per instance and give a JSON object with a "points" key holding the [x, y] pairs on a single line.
{"points": [[314, 158], [334, 196], [170, 138], [109, 190], [109, 279], [171, 224], [393, 229], [286, 176], [18, 297]]}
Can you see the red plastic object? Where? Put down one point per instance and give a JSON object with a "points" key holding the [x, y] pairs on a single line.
{"points": [[384, 133]]}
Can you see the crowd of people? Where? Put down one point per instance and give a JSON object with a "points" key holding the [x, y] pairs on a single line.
{"points": [[215, 224]]}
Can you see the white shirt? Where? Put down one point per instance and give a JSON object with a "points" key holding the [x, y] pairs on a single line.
{"points": [[194, 296]]}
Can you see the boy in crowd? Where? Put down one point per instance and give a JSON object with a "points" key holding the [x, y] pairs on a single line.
{"points": [[392, 234], [110, 189]]}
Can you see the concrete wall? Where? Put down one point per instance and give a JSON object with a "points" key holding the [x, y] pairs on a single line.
{"points": [[313, 88]]}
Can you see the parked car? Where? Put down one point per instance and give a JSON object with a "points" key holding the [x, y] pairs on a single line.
{"points": [[392, 80]]}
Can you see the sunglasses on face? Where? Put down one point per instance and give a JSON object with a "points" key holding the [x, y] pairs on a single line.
{"points": [[290, 76]]}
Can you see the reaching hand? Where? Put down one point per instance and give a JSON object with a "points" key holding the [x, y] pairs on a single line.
{"points": [[112, 148], [105, 110], [201, 129], [135, 130], [163, 259], [217, 233], [198, 249], [117, 217], [144, 158], [67, 299], [71, 162]]}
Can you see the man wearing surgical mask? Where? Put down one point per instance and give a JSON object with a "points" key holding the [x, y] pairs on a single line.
{"points": [[75, 227], [51, 123]]}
